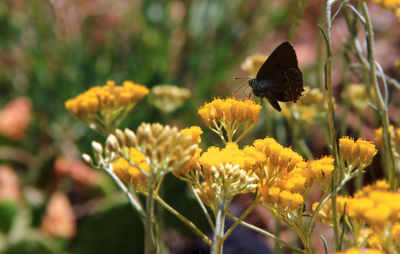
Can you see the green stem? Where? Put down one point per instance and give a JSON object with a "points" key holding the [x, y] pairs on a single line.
{"points": [[149, 238], [133, 199], [242, 217], [382, 106], [313, 220], [190, 224], [206, 213], [331, 116], [218, 241], [266, 233]]}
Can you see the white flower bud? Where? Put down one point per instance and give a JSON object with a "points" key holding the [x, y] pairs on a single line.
{"points": [[87, 159], [97, 147]]}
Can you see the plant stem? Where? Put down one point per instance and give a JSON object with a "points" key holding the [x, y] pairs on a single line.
{"points": [[133, 199], [190, 224], [331, 116], [382, 106], [242, 217], [218, 240], [150, 246]]}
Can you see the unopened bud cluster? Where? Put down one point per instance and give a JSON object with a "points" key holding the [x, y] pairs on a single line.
{"points": [[226, 180], [165, 148]]}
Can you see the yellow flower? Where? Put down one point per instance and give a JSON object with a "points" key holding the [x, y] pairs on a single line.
{"points": [[131, 174], [356, 154], [282, 198], [354, 250], [168, 98], [194, 132], [104, 107], [228, 114], [278, 158], [231, 154], [321, 171]]}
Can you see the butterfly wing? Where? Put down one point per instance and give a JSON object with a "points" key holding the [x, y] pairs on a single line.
{"points": [[282, 74], [283, 57]]}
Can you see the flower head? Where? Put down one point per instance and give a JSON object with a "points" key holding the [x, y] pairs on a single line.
{"points": [[194, 133], [168, 98], [278, 158], [103, 107], [131, 174], [356, 153], [228, 114], [321, 171]]}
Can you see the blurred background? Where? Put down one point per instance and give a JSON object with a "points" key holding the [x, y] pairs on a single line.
{"points": [[52, 50]]}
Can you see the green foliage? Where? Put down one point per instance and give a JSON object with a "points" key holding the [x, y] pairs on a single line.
{"points": [[8, 211], [114, 230]]}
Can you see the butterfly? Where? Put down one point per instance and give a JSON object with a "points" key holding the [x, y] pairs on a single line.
{"points": [[279, 78]]}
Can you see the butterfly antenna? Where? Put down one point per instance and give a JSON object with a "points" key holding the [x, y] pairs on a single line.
{"points": [[241, 78], [234, 92]]}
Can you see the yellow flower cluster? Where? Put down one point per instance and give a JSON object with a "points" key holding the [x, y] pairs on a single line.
{"points": [[227, 110], [361, 251], [247, 158], [321, 171], [278, 158], [289, 190], [375, 205], [131, 174], [194, 132], [376, 241], [104, 107], [356, 153], [106, 97]]}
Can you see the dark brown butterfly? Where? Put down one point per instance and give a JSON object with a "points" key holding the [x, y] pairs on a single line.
{"points": [[279, 78]]}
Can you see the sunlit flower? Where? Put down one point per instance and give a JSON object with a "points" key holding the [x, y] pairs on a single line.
{"points": [[361, 251], [168, 98], [228, 114], [131, 174], [356, 153], [165, 149], [321, 171], [252, 64], [14, 118], [59, 219], [288, 191], [278, 159], [232, 155], [104, 107], [194, 132]]}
